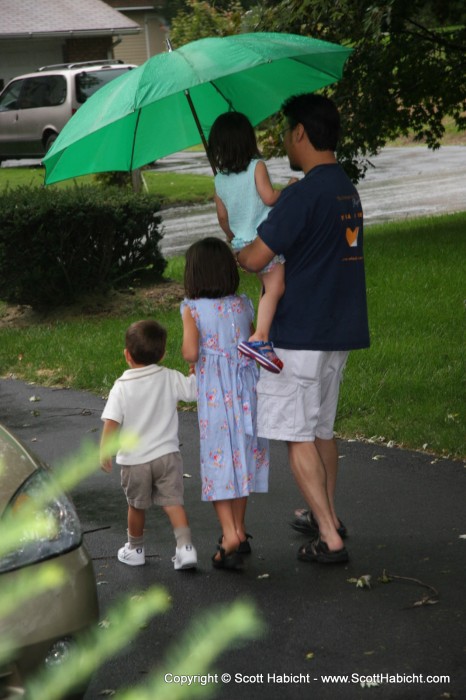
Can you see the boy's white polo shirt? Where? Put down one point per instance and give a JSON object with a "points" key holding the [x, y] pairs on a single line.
{"points": [[144, 402]]}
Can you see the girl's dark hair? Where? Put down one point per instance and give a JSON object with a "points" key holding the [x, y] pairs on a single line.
{"points": [[146, 341], [210, 271], [232, 143], [318, 115]]}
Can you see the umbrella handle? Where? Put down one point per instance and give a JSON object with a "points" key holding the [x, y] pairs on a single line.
{"points": [[199, 128], [195, 117]]}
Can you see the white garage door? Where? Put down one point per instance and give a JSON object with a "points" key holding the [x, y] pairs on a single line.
{"points": [[27, 55]]}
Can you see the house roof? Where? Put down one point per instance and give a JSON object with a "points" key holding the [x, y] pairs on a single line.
{"points": [[27, 18], [137, 4]]}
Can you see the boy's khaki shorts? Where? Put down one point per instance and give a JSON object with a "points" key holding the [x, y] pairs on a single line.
{"points": [[300, 403], [159, 482]]}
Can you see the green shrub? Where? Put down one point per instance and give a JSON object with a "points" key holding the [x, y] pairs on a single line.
{"points": [[56, 245]]}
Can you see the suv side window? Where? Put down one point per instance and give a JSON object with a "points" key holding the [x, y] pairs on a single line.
{"points": [[9, 99], [89, 82], [43, 91]]}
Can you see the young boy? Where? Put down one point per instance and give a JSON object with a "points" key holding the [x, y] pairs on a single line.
{"points": [[143, 401]]}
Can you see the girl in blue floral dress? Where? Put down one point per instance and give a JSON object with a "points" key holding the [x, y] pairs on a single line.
{"points": [[234, 461]]}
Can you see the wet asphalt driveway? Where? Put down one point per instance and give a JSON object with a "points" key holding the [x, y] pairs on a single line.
{"points": [[405, 513], [401, 183]]}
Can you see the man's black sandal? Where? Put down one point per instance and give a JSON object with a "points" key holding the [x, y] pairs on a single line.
{"points": [[318, 551], [307, 525]]}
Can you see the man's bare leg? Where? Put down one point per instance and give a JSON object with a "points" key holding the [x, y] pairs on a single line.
{"points": [[310, 474], [328, 453]]}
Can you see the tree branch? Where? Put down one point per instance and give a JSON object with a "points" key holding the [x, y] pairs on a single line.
{"points": [[432, 36]]}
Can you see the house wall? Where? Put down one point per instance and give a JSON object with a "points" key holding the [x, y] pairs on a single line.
{"points": [[18, 56], [88, 49], [25, 55], [138, 48]]}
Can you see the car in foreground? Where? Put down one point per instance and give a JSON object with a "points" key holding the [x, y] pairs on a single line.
{"points": [[44, 627], [35, 107]]}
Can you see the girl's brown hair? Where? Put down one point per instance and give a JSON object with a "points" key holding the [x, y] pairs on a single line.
{"points": [[232, 143], [210, 271]]}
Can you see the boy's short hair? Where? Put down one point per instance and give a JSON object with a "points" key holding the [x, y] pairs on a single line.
{"points": [[318, 115], [146, 341]]}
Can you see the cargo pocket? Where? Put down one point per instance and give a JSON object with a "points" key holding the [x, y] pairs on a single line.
{"points": [[276, 408]]}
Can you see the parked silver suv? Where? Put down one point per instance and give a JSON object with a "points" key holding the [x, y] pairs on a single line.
{"points": [[43, 627], [35, 107]]}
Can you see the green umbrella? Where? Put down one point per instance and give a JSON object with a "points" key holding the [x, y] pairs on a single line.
{"points": [[148, 112]]}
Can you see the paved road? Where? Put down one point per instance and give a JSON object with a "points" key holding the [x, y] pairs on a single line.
{"points": [[401, 183], [404, 511]]}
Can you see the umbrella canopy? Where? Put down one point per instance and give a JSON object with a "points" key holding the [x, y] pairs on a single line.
{"points": [[146, 114]]}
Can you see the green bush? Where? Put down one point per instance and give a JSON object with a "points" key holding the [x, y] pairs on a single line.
{"points": [[56, 245]]}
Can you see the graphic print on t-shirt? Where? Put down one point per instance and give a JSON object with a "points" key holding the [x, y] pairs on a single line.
{"points": [[352, 236]]}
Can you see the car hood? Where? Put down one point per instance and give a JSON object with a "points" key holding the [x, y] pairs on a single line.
{"points": [[16, 465]]}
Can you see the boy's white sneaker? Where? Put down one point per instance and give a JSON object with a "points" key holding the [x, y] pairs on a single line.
{"points": [[132, 557], [185, 557]]}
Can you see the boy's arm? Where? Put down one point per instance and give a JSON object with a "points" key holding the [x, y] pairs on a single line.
{"points": [[109, 429], [186, 386]]}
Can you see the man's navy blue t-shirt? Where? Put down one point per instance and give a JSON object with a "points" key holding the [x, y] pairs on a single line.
{"points": [[317, 224]]}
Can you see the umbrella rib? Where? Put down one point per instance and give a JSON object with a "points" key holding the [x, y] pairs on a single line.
{"points": [[334, 75], [229, 102]]}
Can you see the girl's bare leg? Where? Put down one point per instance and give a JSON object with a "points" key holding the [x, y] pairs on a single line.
{"points": [[225, 515], [239, 513], [274, 287]]}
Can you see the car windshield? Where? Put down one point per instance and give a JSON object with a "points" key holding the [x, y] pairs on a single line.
{"points": [[90, 81], [9, 98]]}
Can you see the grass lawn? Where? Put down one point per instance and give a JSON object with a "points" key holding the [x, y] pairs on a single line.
{"points": [[407, 388]]}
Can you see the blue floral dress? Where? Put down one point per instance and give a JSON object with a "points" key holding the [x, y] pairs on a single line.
{"points": [[234, 462]]}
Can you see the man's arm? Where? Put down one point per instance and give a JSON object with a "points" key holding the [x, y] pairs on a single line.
{"points": [[255, 256]]}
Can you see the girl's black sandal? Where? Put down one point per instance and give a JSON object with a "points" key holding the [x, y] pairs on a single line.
{"points": [[244, 546], [232, 562]]}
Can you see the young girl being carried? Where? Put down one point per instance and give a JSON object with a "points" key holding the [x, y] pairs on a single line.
{"points": [[243, 197], [234, 461]]}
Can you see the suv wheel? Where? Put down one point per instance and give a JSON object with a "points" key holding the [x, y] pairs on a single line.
{"points": [[51, 138]]}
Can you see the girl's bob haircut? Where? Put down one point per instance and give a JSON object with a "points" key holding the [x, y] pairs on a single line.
{"points": [[232, 143], [210, 271]]}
